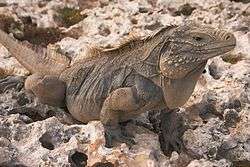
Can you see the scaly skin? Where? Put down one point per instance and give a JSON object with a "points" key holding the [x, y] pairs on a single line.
{"points": [[140, 75]]}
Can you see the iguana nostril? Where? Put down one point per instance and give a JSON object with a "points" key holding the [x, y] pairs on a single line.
{"points": [[228, 37]]}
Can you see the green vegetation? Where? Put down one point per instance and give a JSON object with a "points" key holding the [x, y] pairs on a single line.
{"points": [[232, 58], [70, 16]]}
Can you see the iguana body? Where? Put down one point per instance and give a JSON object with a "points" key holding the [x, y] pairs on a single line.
{"points": [[115, 85]]}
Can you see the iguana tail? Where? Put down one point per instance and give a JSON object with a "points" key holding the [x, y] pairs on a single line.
{"points": [[51, 63]]}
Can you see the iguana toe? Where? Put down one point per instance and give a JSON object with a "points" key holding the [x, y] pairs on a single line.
{"points": [[113, 134], [172, 143]]}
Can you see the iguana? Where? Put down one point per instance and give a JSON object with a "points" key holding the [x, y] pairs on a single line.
{"points": [[113, 85]]}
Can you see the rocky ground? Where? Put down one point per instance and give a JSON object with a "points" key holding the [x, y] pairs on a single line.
{"points": [[217, 116]]}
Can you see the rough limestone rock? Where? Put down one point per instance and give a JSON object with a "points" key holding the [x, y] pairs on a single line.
{"points": [[217, 116], [206, 163], [51, 143]]}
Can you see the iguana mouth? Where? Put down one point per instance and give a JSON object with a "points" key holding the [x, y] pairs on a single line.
{"points": [[213, 52], [230, 47]]}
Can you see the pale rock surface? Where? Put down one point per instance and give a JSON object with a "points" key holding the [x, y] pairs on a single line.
{"points": [[206, 163]]}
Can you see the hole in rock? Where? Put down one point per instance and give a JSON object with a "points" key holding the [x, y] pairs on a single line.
{"points": [[101, 164], [46, 141], [30, 112], [243, 1], [78, 159], [243, 163], [213, 71]]}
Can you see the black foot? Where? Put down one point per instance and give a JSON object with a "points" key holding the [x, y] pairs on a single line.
{"points": [[172, 129], [117, 134], [10, 82]]}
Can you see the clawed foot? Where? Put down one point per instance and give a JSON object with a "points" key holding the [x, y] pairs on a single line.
{"points": [[11, 82], [172, 142], [172, 129], [117, 134]]}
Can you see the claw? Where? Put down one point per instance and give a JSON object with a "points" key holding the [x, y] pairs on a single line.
{"points": [[108, 139], [116, 134], [176, 145], [11, 82], [127, 140], [4, 80]]}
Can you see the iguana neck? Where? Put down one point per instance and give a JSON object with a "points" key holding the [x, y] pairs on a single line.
{"points": [[146, 56], [177, 91], [148, 66], [149, 58]]}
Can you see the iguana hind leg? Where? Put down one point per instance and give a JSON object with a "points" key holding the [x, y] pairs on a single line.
{"points": [[48, 89]]}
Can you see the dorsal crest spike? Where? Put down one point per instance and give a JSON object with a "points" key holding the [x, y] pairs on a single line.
{"points": [[160, 30], [93, 51], [131, 39], [129, 42]]}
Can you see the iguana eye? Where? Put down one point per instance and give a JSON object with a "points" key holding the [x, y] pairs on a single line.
{"points": [[197, 38]]}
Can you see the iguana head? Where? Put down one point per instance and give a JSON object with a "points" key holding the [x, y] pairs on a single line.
{"points": [[191, 45]]}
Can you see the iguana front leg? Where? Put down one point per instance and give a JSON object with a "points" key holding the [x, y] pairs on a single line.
{"points": [[125, 103], [171, 131], [47, 88], [121, 100]]}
